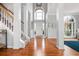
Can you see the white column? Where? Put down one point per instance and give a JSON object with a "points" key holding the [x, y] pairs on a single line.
{"points": [[23, 15], [29, 24], [17, 26], [60, 27], [45, 25]]}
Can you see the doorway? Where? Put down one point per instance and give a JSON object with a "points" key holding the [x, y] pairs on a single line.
{"points": [[39, 28], [39, 22]]}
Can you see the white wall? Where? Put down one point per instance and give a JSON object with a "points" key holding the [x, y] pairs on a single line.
{"points": [[17, 26], [52, 30], [71, 7]]}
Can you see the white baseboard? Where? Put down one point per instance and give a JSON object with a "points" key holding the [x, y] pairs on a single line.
{"points": [[52, 37], [9, 46]]}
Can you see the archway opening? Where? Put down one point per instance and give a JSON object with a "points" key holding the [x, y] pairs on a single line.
{"points": [[39, 22], [69, 27]]}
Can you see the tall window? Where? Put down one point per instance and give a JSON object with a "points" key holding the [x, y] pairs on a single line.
{"points": [[69, 26], [39, 15]]}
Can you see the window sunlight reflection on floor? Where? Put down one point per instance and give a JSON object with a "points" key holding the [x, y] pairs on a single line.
{"points": [[39, 51]]}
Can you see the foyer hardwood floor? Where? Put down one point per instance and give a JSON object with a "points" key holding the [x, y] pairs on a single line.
{"points": [[38, 49]]}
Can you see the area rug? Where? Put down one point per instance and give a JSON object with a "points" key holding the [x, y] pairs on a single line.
{"points": [[73, 44]]}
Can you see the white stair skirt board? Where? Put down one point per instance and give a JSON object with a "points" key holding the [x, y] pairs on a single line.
{"points": [[24, 43]]}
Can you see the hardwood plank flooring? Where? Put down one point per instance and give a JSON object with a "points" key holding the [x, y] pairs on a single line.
{"points": [[70, 52], [30, 50]]}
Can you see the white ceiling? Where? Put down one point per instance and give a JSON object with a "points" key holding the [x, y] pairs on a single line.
{"points": [[68, 8], [52, 8]]}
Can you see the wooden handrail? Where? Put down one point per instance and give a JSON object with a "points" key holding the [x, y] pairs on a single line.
{"points": [[6, 8]]}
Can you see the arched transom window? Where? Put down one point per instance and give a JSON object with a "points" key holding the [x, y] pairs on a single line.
{"points": [[39, 15]]}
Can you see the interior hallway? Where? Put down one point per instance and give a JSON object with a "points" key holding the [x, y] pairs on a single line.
{"points": [[40, 49]]}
